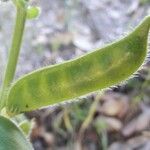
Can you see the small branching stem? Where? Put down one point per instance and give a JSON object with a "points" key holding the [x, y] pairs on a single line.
{"points": [[88, 119], [13, 53]]}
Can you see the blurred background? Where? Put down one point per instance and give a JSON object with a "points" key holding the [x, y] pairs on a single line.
{"points": [[119, 119]]}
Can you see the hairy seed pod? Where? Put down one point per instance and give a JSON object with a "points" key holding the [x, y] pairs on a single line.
{"points": [[97, 70]]}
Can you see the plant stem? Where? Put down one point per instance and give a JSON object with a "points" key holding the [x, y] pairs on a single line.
{"points": [[13, 53]]}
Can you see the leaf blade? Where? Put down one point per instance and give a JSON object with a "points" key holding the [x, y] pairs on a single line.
{"points": [[11, 138]]}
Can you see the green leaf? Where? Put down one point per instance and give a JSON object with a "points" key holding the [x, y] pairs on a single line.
{"points": [[11, 138], [25, 126], [33, 12], [97, 70]]}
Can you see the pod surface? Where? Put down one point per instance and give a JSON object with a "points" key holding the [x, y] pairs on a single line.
{"points": [[11, 138], [99, 69]]}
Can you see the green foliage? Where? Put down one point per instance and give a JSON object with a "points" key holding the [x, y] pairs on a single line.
{"points": [[11, 138], [25, 126], [99, 69], [33, 12]]}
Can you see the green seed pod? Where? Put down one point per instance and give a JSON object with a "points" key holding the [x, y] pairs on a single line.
{"points": [[97, 70], [11, 138]]}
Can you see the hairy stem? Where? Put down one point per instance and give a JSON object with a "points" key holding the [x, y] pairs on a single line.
{"points": [[13, 53]]}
